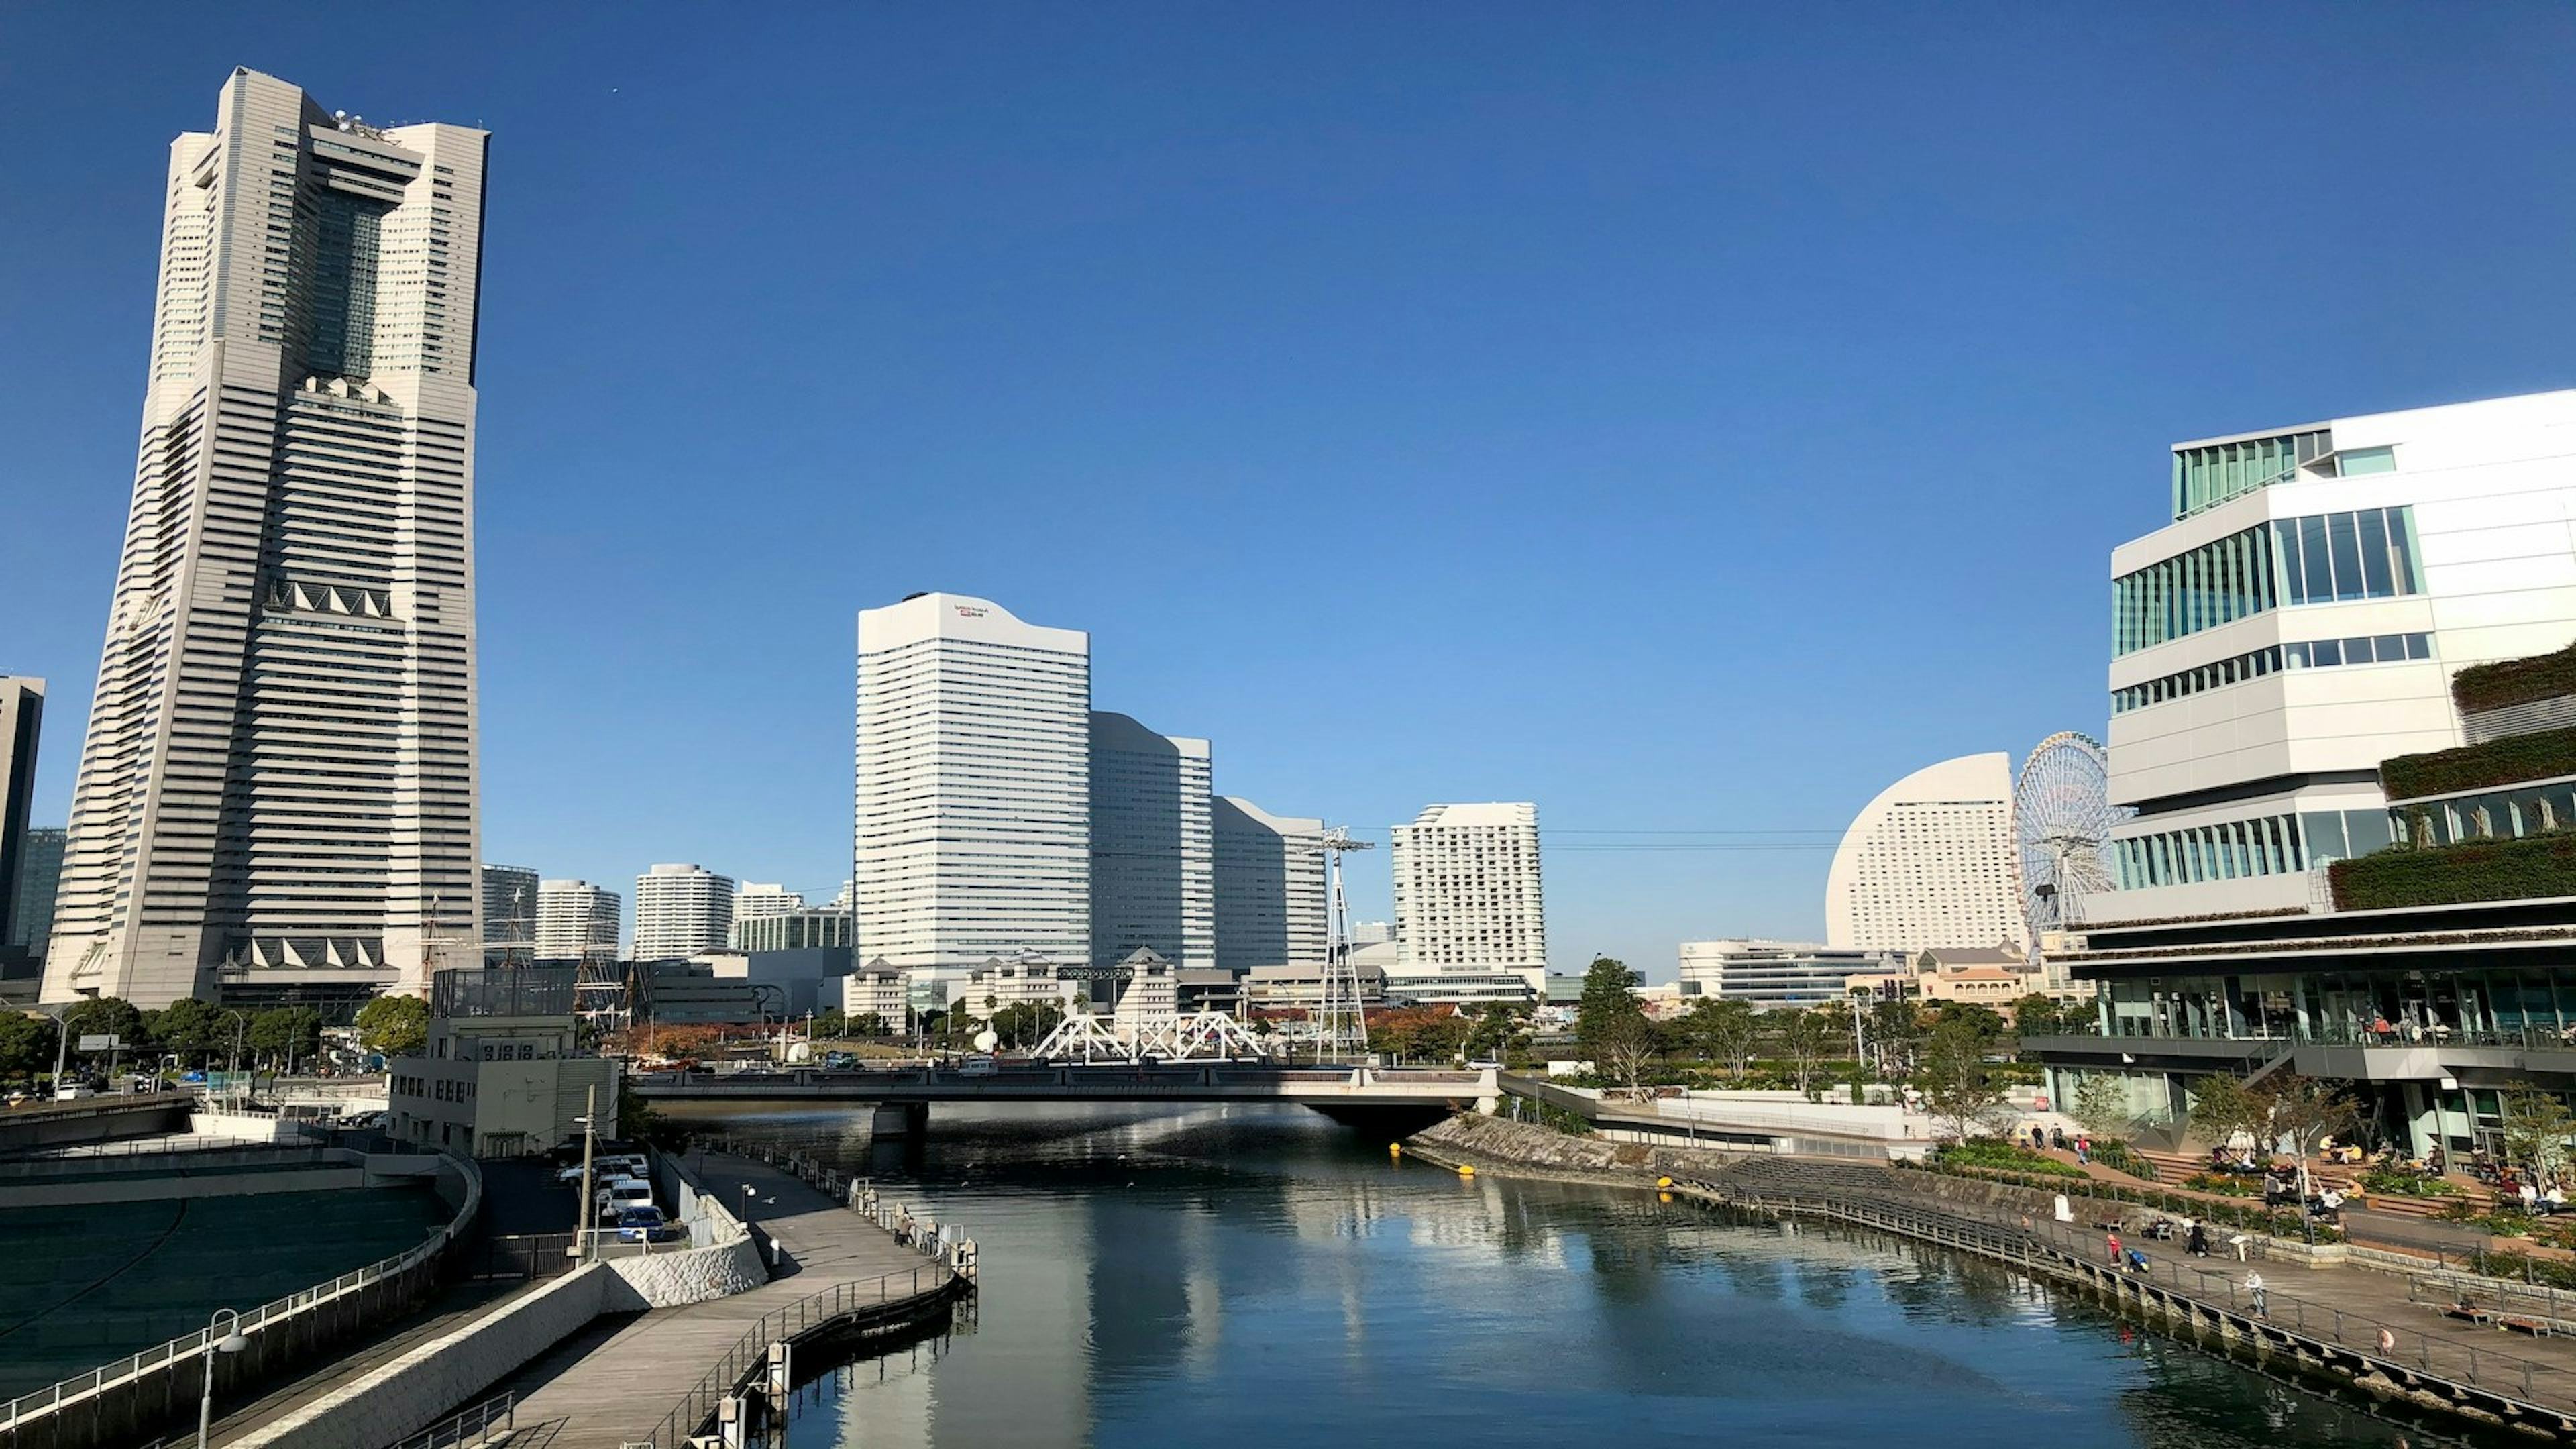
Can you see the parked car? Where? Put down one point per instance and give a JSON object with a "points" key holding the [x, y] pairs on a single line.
{"points": [[647, 1225], [622, 1193], [978, 1065], [74, 1091]]}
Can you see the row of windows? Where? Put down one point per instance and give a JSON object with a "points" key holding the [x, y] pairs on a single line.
{"points": [[2494, 815], [2315, 654], [2368, 553], [2208, 476], [2233, 849]]}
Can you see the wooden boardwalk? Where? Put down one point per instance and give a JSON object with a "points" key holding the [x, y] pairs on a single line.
{"points": [[616, 1383]]}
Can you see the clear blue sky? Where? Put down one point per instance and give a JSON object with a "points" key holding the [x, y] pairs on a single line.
{"points": [[1687, 417]]}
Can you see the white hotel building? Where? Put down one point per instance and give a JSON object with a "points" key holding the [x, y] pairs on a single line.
{"points": [[576, 921], [1929, 862], [973, 818], [2299, 622], [1470, 913]]}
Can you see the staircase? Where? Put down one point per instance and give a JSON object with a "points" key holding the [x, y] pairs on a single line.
{"points": [[2172, 1167]]}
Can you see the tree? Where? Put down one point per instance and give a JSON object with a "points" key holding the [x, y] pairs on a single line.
{"points": [[394, 1026], [1896, 1032], [867, 1023], [1498, 1027], [2101, 1105], [191, 1030], [2036, 1014], [1610, 1024], [1973, 1016], [1728, 1030], [105, 1015], [1807, 1038], [1623, 1045], [830, 1025], [2221, 1108], [26, 1044], [1958, 1083], [285, 1035], [2303, 1110], [2537, 1125], [1026, 1023]]}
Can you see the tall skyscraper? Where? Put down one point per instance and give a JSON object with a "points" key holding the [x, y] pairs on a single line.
{"points": [[576, 919], [40, 874], [22, 716], [1269, 886], [1153, 857], [1930, 862], [1467, 894], [973, 794], [276, 793], [509, 914], [681, 910]]}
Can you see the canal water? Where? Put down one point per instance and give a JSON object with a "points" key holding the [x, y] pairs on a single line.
{"points": [[1249, 1276]]}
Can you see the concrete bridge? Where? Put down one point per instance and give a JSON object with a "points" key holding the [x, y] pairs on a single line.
{"points": [[904, 1094]]}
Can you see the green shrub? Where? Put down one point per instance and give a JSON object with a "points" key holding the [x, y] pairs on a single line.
{"points": [[2507, 761], [2386, 1182], [1994, 1152], [2482, 870], [2509, 682], [2116, 1155], [2224, 1184]]}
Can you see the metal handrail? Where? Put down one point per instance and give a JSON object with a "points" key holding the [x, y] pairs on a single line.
{"points": [[789, 1322], [498, 1412], [28, 1407], [2409, 1350]]}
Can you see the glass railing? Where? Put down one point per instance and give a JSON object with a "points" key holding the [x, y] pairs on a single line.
{"points": [[2400, 1035]]}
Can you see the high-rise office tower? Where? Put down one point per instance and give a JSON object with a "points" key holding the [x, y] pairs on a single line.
{"points": [[973, 797], [681, 910], [277, 788], [1269, 887], [509, 914], [40, 874], [1467, 893], [576, 920], [1153, 856], [22, 716]]}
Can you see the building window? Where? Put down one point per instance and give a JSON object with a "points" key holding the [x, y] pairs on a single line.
{"points": [[2325, 558]]}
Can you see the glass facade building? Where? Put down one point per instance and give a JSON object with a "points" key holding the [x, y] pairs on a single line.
{"points": [[2312, 654], [2322, 558], [2267, 845]]}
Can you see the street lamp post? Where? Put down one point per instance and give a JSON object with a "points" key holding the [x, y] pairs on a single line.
{"points": [[231, 1342]]}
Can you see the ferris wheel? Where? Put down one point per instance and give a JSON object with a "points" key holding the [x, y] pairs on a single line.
{"points": [[2062, 819]]}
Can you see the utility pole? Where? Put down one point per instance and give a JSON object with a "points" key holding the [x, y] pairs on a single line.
{"points": [[583, 1227]]}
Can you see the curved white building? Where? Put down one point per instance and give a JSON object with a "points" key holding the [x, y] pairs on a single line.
{"points": [[1929, 863]]}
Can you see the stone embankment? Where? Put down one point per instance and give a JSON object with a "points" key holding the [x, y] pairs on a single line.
{"points": [[1531, 1151]]}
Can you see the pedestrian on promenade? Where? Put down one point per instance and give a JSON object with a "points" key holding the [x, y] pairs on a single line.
{"points": [[2083, 1150], [2112, 1241], [2057, 1138], [2199, 1241], [2387, 1343], [2262, 1295], [2038, 1140]]}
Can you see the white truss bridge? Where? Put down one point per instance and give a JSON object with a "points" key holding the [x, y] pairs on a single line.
{"points": [[1207, 1036]]}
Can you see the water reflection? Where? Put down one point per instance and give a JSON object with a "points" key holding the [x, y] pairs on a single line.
{"points": [[1254, 1276]]}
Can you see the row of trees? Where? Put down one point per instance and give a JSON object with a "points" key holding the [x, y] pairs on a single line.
{"points": [[199, 1034]]}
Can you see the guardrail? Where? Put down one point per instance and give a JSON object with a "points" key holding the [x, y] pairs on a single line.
{"points": [[477, 1425], [791, 1322], [2047, 1247], [43, 1403]]}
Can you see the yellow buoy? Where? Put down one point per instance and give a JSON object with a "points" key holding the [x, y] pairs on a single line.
{"points": [[1663, 1182], [1395, 1149], [1466, 1170]]}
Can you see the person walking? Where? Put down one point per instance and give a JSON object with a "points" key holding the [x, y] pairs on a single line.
{"points": [[2254, 1285], [2083, 1150], [2111, 1241], [2198, 1243]]}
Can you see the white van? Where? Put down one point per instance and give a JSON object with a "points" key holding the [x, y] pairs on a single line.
{"points": [[622, 1193], [74, 1092]]}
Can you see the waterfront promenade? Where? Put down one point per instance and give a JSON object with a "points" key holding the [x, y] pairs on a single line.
{"points": [[618, 1383]]}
